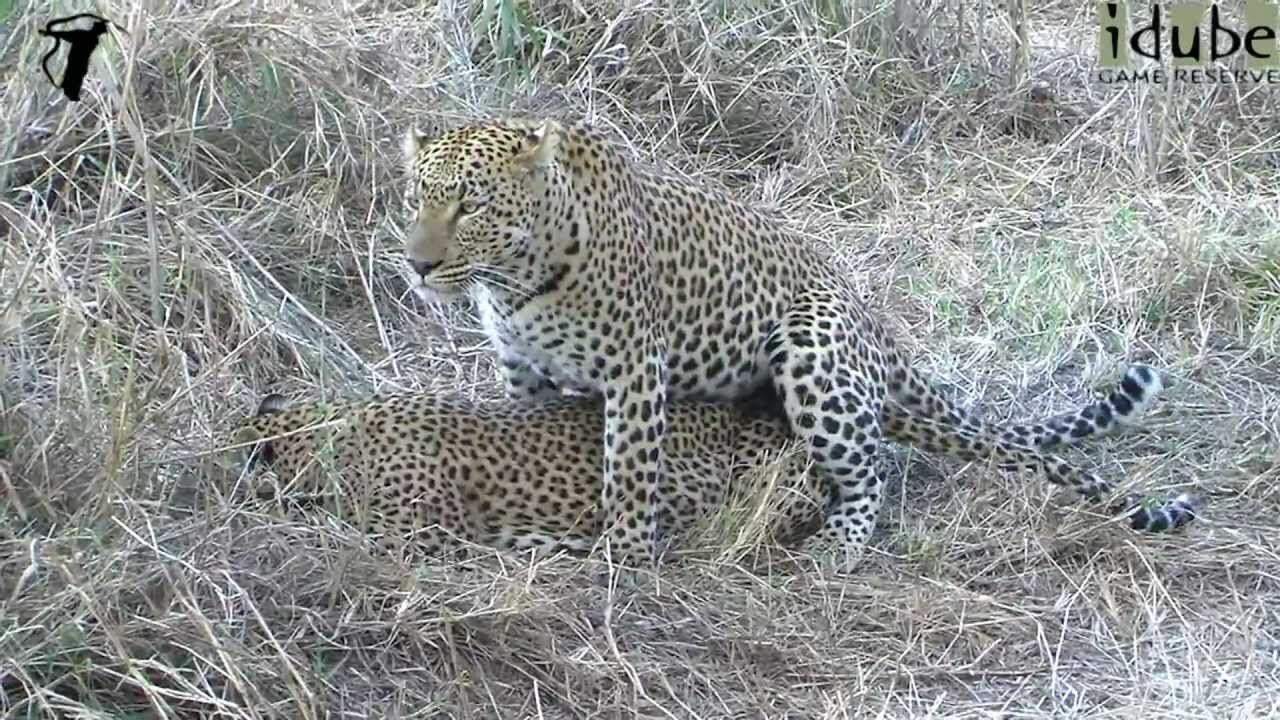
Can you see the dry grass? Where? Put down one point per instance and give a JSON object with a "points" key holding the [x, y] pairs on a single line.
{"points": [[217, 218]]}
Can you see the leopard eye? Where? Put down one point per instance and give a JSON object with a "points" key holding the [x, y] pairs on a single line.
{"points": [[469, 207]]}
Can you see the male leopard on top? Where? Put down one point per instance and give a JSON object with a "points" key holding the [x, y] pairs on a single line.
{"points": [[593, 273], [424, 471]]}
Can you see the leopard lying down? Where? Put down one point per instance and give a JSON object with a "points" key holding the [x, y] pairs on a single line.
{"points": [[429, 470]]}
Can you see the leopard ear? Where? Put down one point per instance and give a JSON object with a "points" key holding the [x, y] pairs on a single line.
{"points": [[411, 142], [540, 146], [273, 403]]}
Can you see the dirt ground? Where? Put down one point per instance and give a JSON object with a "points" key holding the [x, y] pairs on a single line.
{"points": [[218, 217]]}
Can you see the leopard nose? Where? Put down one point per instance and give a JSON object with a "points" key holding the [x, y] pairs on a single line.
{"points": [[422, 267]]}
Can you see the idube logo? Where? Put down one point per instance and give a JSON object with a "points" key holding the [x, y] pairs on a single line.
{"points": [[1194, 37]]}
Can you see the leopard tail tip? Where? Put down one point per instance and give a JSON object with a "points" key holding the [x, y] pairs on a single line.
{"points": [[1170, 515]]}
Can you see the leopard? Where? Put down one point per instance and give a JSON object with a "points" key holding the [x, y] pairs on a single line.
{"points": [[432, 475], [592, 272]]}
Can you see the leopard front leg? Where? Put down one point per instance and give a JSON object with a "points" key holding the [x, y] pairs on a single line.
{"points": [[635, 422]]}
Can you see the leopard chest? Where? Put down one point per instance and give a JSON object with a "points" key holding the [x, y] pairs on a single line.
{"points": [[720, 359], [565, 349]]}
